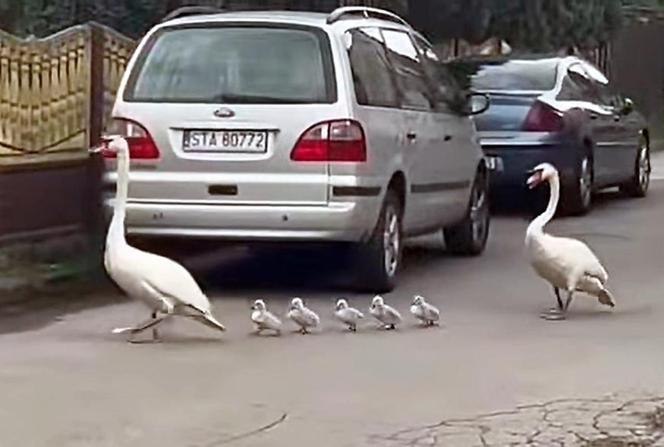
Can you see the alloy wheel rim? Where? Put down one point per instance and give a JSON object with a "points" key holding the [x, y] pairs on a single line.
{"points": [[644, 169], [585, 182], [391, 242], [478, 214]]}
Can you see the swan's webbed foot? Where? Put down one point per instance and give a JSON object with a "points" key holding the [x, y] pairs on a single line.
{"points": [[553, 314], [151, 341], [151, 323]]}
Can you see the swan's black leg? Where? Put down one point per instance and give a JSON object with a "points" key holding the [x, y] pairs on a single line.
{"points": [[151, 323], [155, 331], [555, 314], [570, 295], [556, 290]]}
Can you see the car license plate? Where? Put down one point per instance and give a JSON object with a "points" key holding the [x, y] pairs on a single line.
{"points": [[494, 163], [241, 141]]}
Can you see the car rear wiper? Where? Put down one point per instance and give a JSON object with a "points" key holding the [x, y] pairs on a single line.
{"points": [[256, 99]]}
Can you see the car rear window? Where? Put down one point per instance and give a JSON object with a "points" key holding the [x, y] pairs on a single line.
{"points": [[525, 75], [235, 65]]}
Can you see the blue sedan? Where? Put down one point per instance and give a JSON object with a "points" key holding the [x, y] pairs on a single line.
{"points": [[560, 110]]}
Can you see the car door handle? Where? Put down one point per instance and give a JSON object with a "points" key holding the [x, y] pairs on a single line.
{"points": [[616, 118], [412, 136], [447, 138], [594, 116]]}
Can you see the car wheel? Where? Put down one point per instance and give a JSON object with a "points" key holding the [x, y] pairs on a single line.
{"points": [[380, 258], [578, 199], [469, 237], [640, 183]]}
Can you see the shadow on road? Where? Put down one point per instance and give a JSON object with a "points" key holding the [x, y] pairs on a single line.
{"points": [[302, 270]]}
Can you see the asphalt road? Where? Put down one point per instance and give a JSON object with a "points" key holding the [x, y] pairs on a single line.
{"points": [[493, 374]]}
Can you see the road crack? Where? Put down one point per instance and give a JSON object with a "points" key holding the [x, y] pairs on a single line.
{"points": [[607, 422], [260, 430]]}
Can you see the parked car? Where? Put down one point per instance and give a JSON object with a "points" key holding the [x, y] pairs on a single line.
{"points": [[561, 110], [291, 127]]}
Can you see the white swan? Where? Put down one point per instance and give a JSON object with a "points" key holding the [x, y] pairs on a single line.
{"points": [[165, 286], [303, 316], [347, 315], [426, 313], [387, 315], [264, 319], [567, 264]]}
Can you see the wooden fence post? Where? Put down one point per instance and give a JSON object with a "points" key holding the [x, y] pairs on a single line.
{"points": [[96, 98], [94, 221]]}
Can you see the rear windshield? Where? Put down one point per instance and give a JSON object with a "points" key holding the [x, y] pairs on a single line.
{"points": [[539, 75], [235, 65]]}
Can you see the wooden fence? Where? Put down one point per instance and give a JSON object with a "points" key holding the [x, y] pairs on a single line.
{"points": [[56, 93]]}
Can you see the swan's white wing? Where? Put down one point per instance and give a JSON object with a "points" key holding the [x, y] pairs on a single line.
{"points": [[310, 317], [169, 278], [266, 320], [359, 315], [393, 316], [349, 315], [579, 255], [431, 312], [564, 261], [272, 321]]}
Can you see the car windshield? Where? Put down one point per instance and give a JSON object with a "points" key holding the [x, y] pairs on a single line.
{"points": [[234, 65], [524, 75]]}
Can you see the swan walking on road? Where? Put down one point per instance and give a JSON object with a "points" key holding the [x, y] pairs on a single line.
{"points": [[264, 319], [387, 315], [426, 313], [348, 315], [304, 317], [165, 286], [568, 264]]}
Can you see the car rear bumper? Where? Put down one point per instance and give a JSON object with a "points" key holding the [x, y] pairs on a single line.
{"points": [[512, 163], [351, 221]]}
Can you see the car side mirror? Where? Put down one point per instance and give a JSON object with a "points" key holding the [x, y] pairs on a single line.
{"points": [[478, 103], [628, 106]]}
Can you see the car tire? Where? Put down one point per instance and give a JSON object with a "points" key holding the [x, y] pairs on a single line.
{"points": [[578, 196], [469, 237], [379, 260], [640, 183]]}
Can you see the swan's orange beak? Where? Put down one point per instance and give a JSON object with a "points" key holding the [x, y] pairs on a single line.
{"points": [[535, 179]]}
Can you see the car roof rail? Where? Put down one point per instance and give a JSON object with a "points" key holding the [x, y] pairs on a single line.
{"points": [[367, 12], [186, 11]]}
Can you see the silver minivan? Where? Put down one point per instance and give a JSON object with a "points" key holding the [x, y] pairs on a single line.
{"points": [[289, 127]]}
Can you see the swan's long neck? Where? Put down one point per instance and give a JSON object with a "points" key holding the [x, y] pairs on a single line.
{"points": [[536, 227], [116, 232]]}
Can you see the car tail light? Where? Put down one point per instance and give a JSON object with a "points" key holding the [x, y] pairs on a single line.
{"points": [[341, 140], [141, 144], [543, 118]]}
